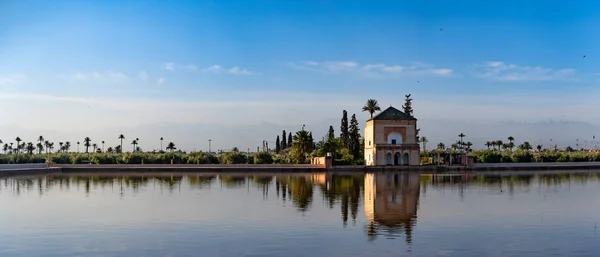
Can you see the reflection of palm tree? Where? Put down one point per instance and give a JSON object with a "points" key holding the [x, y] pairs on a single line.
{"points": [[200, 181], [302, 192], [263, 182], [233, 181]]}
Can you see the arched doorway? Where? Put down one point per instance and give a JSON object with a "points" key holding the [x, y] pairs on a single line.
{"points": [[388, 159], [397, 159], [405, 158]]}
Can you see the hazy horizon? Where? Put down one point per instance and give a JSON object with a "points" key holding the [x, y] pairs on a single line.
{"points": [[240, 72]]}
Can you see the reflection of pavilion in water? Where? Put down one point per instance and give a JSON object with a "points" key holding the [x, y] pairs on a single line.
{"points": [[391, 202]]}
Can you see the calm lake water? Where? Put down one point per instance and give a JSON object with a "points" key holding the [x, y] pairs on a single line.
{"points": [[381, 214]]}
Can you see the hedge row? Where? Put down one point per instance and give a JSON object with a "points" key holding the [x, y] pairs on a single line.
{"points": [[146, 158], [489, 156]]}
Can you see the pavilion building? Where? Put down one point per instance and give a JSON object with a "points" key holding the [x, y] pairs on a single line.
{"points": [[391, 139]]}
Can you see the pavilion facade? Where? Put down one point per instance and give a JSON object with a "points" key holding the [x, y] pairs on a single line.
{"points": [[391, 139]]}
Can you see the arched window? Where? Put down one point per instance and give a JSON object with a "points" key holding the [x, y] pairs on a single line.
{"points": [[394, 138]]}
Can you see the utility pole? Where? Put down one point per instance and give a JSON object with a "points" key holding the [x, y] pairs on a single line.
{"points": [[209, 145]]}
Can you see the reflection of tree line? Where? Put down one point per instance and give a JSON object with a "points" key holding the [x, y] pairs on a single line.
{"points": [[344, 189], [509, 179]]}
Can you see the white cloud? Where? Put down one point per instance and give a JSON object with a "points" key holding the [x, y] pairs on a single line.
{"points": [[371, 69], [95, 75], [510, 72], [235, 70], [214, 68], [80, 76], [116, 75], [169, 66], [160, 80], [143, 75], [14, 79], [238, 71]]}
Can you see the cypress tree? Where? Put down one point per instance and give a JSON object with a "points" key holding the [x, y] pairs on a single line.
{"points": [[354, 140], [283, 141], [277, 145], [290, 140], [330, 133], [408, 105], [344, 136]]}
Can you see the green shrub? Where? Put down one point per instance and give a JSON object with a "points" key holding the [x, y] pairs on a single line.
{"points": [[263, 158]]}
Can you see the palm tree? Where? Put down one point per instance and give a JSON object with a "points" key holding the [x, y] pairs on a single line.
{"points": [[40, 147], [371, 106], [87, 143], [302, 144], [94, 146], [41, 140], [61, 144], [539, 148], [441, 146], [30, 148], [525, 146], [510, 146], [510, 142], [134, 142], [18, 139], [5, 148], [424, 141], [488, 144], [121, 137], [67, 146], [161, 139], [461, 135], [47, 145], [1, 144], [499, 143], [171, 146], [469, 144]]}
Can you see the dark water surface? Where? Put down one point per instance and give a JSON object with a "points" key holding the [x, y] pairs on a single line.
{"points": [[382, 214]]}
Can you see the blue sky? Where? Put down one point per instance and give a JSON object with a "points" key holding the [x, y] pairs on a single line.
{"points": [[292, 62]]}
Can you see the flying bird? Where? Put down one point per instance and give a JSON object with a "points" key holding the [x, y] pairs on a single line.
{"points": [[441, 29], [418, 81], [584, 56]]}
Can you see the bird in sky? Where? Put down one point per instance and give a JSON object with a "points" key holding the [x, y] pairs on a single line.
{"points": [[441, 29], [418, 81], [583, 56]]}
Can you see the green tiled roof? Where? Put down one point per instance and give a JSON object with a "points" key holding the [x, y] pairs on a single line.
{"points": [[392, 113]]}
